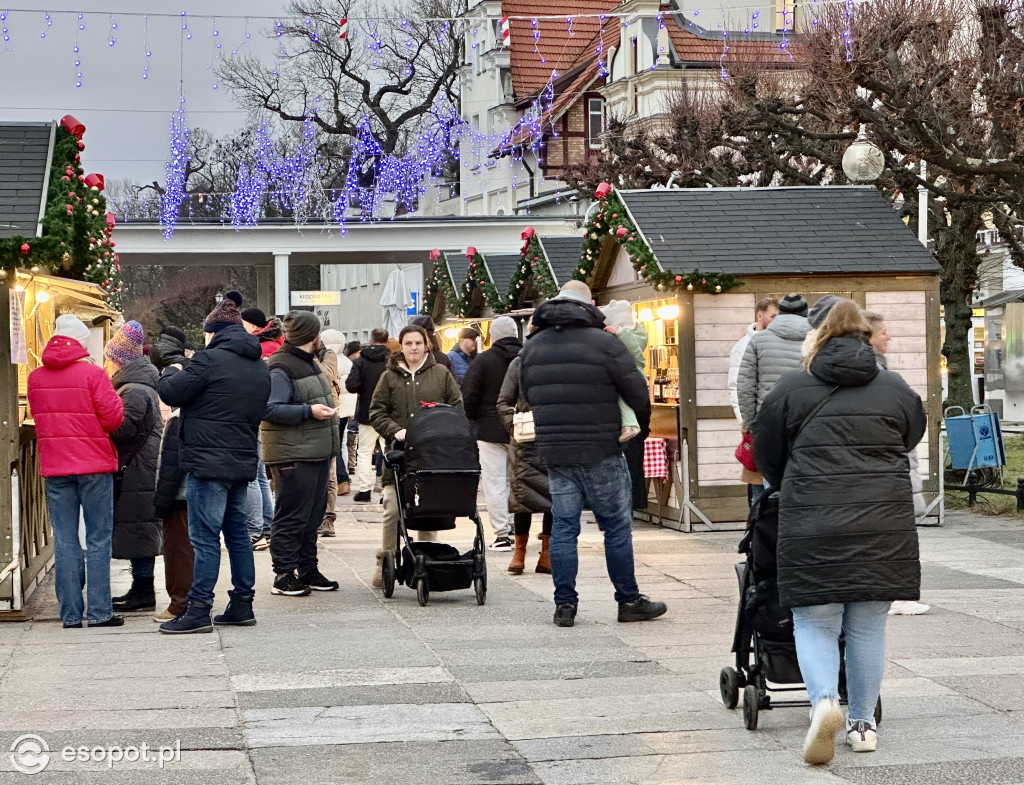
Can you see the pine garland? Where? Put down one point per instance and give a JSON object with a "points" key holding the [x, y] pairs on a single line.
{"points": [[440, 282], [75, 242], [532, 269], [478, 276], [612, 218]]}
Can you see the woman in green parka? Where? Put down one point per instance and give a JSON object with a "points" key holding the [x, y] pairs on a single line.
{"points": [[412, 377]]}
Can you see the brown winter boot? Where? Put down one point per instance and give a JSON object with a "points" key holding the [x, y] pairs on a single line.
{"points": [[518, 563], [378, 578], [544, 562]]}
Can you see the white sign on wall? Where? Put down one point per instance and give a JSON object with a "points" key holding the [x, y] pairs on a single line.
{"points": [[19, 348], [316, 298]]}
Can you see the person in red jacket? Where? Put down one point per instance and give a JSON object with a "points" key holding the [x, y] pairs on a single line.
{"points": [[269, 331], [75, 409]]}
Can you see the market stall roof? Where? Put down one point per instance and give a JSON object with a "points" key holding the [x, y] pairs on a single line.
{"points": [[501, 266], [1009, 296], [563, 254], [773, 231], [25, 151]]}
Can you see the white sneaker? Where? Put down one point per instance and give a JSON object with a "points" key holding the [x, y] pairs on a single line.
{"points": [[820, 743], [860, 734], [502, 543], [908, 608]]}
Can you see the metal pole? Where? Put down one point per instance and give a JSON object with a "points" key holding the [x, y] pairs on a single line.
{"points": [[922, 207]]}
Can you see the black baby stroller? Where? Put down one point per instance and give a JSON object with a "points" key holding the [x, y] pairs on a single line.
{"points": [[763, 642], [436, 479]]}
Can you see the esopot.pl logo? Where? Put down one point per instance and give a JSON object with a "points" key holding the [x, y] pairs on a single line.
{"points": [[30, 754]]}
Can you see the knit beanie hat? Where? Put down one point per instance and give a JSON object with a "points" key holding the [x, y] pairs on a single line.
{"points": [[235, 297], [70, 326], [575, 290], [503, 327], [816, 315], [126, 345], [224, 314], [793, 303], [301, 327], [255, 317], [619, 313]]}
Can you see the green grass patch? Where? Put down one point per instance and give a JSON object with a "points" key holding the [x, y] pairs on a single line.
{"points": [[991, 503]]}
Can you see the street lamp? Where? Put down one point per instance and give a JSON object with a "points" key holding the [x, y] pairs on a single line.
{"points": [[218, 297], [863, 162]]}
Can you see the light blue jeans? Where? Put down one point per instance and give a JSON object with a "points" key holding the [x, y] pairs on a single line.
{"points": [[606, 488], [259, 504], [94, 495], [817, 629]]}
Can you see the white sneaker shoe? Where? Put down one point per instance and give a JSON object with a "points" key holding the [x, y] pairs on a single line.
{"points": [[908, 608], [820, 743], [860, 734]]}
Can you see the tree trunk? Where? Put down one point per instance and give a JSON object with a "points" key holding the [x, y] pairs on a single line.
{"points": [[956, 249]]}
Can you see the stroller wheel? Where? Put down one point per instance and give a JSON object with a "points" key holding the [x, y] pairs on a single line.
{"points": [[422, 591], [388, 574], [729, 687], [480, 585], [750, 707], [878, 711]]}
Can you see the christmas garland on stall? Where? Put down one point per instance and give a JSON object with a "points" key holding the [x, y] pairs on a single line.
{"points": [[75, 241], [440, 282], [532, 268], [612, 218], [478, 276]]}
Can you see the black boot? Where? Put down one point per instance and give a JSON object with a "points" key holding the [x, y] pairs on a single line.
{"points": [[140, 596], [195, 619], [239, 610]]}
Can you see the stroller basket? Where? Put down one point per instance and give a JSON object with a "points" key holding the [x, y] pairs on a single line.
{"points": [[447, 569], [429, 493]]}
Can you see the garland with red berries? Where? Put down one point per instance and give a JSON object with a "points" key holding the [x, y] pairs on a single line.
{"points": [[477, 276], [532, 270], [440, 282], [612, 218], [75, 241]]}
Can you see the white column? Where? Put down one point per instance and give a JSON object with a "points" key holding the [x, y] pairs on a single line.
{"points": [[282, 291], [922, 207]]}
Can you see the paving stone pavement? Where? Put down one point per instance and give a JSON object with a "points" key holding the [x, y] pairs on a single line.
{"points": [[348, 687]]}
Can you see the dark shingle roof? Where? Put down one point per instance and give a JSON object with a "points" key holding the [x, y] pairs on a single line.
{"points": [[772, 231], [1009, 296], [502, 266], [563, 254], [24, 158]]}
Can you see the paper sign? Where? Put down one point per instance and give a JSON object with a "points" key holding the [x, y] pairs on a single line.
{"points": [[19, 348], [316, 298]]}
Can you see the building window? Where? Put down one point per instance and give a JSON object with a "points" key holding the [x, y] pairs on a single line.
{"points": [[785, 15], [595, 122]]}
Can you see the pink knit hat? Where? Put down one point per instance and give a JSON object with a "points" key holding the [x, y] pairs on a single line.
{"points": [[126, 344]]}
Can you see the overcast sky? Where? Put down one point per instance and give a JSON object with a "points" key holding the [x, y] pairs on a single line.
{"points": [[126, 117]]}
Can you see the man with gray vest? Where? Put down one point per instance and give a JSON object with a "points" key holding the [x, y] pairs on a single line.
{"points": [[300, 437]]}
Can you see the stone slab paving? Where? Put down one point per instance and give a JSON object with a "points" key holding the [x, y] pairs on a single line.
{"points": [[348, 687]]}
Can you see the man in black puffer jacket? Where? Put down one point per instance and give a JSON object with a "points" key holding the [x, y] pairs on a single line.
{"points": [[573, 373], [480, 389], [171, 347], [362, 379], [223, 395]]}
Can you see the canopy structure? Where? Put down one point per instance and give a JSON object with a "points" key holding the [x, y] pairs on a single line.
{"points": [[396, 302]]}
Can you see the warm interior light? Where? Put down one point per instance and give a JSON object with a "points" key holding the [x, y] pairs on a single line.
{"points": [[646, 315], [19, 288], [668, 312], [42, 297], [451, 332]]}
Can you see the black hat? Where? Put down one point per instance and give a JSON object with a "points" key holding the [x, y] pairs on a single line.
{"points": [[255, 317], [425, 322], [235, 297], [174, 332], [793, 303]]}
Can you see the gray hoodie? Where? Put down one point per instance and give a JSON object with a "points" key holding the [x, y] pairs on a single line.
{"points": [[770, 354]]}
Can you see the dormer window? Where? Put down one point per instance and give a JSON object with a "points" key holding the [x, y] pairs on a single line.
{"points": [[595, 122]]}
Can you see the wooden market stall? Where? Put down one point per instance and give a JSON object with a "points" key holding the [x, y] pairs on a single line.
{"points": [[694, 262]]}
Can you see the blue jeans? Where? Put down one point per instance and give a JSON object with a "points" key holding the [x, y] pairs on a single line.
{"points": [[94, 494], [607, 490], [213, 507], [259, 504], [817, 629]]}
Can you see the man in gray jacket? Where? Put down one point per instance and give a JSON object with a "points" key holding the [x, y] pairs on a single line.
{"points": [[771, 353]]}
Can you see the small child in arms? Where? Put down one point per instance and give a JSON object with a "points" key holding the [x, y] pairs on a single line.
{"points": [[619, 317]]}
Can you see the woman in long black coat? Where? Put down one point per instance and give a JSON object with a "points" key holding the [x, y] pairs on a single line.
{"points": [[137, 527], [834, 438], [529, 479]]}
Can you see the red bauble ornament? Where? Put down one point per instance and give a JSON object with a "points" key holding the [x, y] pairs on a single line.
{"points": [[71, 209], [25, 248], [77, 158], [679, 279], [66, 179], [111, 243], [703, 281], [620, 232], [81, 145]]}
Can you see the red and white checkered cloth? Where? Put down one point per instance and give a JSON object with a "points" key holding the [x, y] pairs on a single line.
{"points": [[656, 458]]}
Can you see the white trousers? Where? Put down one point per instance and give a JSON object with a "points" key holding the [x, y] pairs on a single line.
{"points": [[494, 478], [365, 474]]}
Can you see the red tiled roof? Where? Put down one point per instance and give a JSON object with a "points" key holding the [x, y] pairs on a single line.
{"points": [[694, 47], [555, 46]]}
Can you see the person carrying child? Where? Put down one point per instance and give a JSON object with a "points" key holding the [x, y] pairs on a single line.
{"points": [[620, 323]]}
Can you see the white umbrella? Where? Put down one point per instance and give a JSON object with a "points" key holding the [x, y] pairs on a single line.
{"points": [[395, 302]]}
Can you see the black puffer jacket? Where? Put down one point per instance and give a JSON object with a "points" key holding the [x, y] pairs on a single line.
{"points": [[529, 481], [481, 386], [222, 394], [573, 373], [362, 379], [137, 527], [169, 472], [846, 511], [169, 349]]}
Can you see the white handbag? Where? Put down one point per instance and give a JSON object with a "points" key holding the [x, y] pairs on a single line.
{"points": [[522, 427]]}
